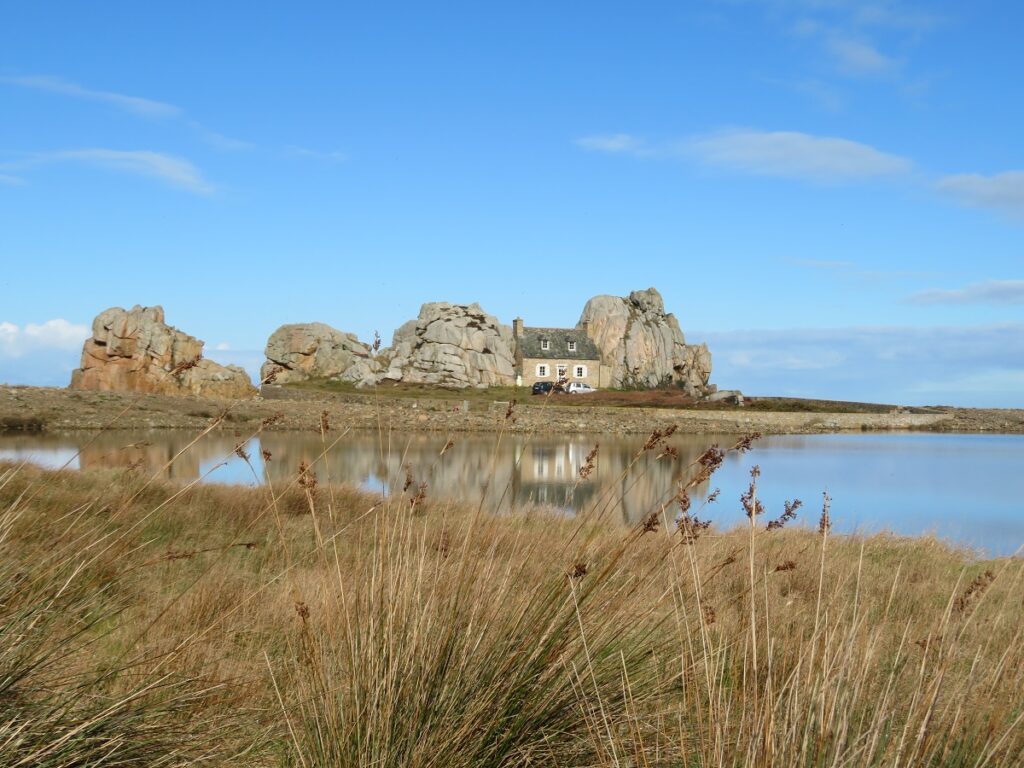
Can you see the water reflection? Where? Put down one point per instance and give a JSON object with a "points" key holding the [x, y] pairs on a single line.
{"points": [[514, 472], [962, 487]]}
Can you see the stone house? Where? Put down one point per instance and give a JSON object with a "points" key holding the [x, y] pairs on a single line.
{"points": [[553, 354]]}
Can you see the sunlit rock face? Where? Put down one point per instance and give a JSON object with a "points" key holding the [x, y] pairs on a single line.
{"points": [[451, 345], [642, 345], [134, 350], [302, 351]]}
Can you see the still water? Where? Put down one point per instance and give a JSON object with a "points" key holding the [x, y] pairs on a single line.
{"points": [[965, 488]]}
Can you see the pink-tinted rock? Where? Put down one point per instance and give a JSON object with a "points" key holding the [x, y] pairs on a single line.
{"points": [[136, 351]]}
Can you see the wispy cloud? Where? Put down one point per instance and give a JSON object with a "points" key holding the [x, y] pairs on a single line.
{"points": [[790, 154], [849, 271], [828, 264], [330, 156], [826, 96], [136, 105], [884, 364], [999, 292], [171, 170], [1002, 191], [11, 181], [783, 154], [893, 15], [857, 57], [614, 143], [854, 37], [174, 171], [219, 140]]}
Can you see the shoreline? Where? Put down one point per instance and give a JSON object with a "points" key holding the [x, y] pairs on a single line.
{"points": [[45, 409]]}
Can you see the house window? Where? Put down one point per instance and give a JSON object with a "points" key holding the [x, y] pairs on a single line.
{"points": [[572, 346], [561, 372], [545, 344], [581, 371], [542, 371]]}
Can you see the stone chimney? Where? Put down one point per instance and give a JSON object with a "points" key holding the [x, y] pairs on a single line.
{"points": [[517, 328]]}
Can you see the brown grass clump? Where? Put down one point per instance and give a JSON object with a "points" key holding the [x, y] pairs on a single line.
{"points": [[151, 623]]}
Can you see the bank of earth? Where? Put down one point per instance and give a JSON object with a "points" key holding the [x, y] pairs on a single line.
{"points": [[438, 410]]}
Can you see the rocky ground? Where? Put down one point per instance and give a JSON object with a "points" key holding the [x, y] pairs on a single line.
{"points": [[51, 409]]}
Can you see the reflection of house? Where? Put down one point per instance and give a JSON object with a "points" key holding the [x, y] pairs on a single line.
{"points": [[554, 354], [549, 474]]}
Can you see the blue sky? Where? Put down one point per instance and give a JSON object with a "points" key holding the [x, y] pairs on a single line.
{"points": [[829, 192]]}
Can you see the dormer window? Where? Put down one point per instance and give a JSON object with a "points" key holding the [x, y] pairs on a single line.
{"points": [[545, 344], [572, 346]]}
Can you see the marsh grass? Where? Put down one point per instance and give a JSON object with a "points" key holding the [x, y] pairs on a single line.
{"points": [[300, 623]]}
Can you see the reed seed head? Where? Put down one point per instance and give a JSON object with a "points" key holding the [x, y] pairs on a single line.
{"points": [[588, 466], [974, 591], [788, 514], [825, 521]]}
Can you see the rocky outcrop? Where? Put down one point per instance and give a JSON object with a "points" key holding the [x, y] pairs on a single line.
{"points": [[451, 345], [643, 345], [315, 351], [136, 351]]}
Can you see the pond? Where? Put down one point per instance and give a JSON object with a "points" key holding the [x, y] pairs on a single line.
{"points": [[964, 488]]}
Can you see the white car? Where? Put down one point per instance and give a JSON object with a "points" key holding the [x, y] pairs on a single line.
{"points": [[578, 388]]}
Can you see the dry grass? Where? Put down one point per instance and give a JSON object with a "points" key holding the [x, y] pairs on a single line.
{"points": [[311, 625]]}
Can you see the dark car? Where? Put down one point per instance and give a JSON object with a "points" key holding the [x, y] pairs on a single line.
{"points": [[542, 387]]}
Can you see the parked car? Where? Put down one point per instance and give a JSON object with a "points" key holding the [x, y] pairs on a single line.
{"points": [[542, 387], [578, 388]]}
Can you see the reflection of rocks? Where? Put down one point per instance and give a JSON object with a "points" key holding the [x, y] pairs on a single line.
{"points": [[538, 471], [144, 455], [166, 451], [136, 351]]}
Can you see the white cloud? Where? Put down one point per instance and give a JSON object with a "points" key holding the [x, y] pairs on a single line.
{"points": [[613, 143], [856, 57], [16, 341], [987, 292], [175, 171], [222, 346], [12, 181], [790, 154], [332, 156], [133, 104], [1002, 191]]}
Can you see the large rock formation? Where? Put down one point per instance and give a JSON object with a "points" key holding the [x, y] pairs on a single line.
{"points": [[643, 345], [315, 351], [135, 350], [451, 345]]}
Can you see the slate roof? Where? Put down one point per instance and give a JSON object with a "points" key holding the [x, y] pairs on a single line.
{"points": [[529, 344]]}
